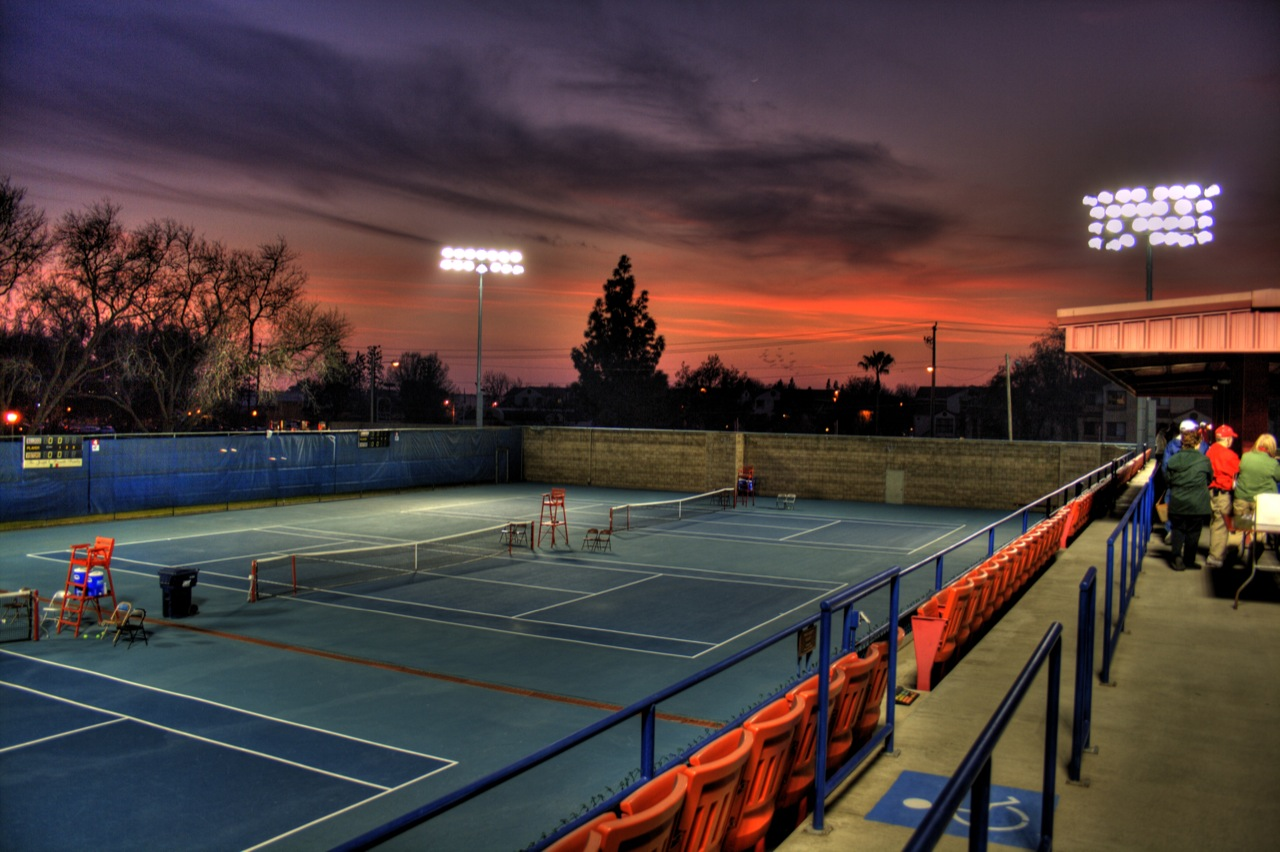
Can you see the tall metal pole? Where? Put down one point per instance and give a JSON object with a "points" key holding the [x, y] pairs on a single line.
{"points": [[933, 375], [1150, 259], [1008, 394], [479, 342]]}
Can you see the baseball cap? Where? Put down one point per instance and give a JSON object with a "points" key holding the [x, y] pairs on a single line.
{"points": [[1189, 426], [1225, 431]]}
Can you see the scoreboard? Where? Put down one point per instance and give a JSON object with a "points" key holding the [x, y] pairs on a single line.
{"points": [[52, 451], [371, 439]]}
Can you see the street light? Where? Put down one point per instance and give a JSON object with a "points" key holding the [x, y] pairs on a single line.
{"points": [[1176, 215], [932, 340], [501, 261]]}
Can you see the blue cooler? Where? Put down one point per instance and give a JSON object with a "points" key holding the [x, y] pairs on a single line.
{"points": [[78, 575], [97, 583]]}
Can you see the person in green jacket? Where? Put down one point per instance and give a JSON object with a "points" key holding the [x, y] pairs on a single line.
{"points": [[1189, 475], [1259, 473]]}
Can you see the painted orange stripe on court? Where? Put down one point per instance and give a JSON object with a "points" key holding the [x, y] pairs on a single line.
{"points": [[409, 670]]}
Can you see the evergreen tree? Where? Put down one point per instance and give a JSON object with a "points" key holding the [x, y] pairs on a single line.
{"points": [[618, 378]]}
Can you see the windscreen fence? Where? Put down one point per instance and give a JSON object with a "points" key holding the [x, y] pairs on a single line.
{"points": [[132, 473]]}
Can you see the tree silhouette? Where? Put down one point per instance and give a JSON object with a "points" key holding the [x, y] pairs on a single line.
{"points": [[879, 363], [618, 378]]}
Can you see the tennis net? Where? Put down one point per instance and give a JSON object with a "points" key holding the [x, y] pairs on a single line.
{"points": [[320, 570], [632, 516], [18, 615]]}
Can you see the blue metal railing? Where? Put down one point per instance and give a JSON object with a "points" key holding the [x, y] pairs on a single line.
{"points": [[843, 603], [974, 774], [1133, 531], [1045, 505], [646, 708], [1082, 705]]}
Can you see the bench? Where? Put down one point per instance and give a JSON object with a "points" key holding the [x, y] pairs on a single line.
{"points": [[786, 501]]}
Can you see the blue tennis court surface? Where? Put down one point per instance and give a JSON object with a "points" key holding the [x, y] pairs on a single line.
{"points": [[315, 717], [129, 742]]}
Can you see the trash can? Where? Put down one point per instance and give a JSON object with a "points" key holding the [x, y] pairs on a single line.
{"points": [[176, 585]]}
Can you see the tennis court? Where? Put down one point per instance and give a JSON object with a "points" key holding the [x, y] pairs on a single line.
{"points": [[302, 720]]}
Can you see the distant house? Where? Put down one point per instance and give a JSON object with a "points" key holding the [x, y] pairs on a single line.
{"points": [[538, 405], [953, 415]]}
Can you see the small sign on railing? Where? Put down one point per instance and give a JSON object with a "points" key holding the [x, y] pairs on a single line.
{"points": [[806, 642]]}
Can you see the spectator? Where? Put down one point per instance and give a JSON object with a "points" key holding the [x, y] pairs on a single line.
{"points": [[1225, 464], [1170, 450], [1189, 474], [1259, 473]]}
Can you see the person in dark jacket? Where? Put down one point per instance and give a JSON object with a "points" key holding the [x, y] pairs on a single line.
{"points": [[1189, 475]]}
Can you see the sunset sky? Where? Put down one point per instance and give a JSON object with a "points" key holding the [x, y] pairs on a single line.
{"points": [[797, 184]]}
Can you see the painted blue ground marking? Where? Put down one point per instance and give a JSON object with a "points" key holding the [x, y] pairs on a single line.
{"points": [[1015, 814]]}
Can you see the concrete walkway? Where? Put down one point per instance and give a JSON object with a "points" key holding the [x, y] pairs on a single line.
{"points": [[1188, 738]]}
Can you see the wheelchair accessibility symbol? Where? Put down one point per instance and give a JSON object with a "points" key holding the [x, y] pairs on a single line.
{"points": [[1013, 818], [1002, 816]]}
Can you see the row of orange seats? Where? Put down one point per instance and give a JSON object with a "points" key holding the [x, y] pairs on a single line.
{"points": [[947, 622], [759, 776]]}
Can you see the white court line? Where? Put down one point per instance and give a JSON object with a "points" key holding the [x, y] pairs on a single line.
{"points": [[220, 706], [496, 617], [939, 538], [124, 717], [60, 734], [811, 530]]}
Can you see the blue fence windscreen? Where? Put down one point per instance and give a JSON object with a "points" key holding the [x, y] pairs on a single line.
{"points": [[132, 473]]}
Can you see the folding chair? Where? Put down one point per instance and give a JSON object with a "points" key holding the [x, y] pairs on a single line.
{"points": [[51, 613], [111, 624], [133, 627]]}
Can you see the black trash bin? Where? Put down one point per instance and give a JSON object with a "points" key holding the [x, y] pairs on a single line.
{"points": [[176, 585]]}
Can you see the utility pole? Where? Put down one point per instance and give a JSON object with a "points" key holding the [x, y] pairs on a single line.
{"points": [[1008, 394], [375, 367], [932, 340]]}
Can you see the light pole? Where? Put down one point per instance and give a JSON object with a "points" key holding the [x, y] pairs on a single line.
{"points": [[375, 367], [1176, 215], [932, 340], [502, 261]]}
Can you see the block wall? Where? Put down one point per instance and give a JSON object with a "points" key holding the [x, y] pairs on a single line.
{"points": [[916, 471]]}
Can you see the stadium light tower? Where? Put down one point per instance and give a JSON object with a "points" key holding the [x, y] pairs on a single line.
{"points": [[500, 261], [1176, 215]]}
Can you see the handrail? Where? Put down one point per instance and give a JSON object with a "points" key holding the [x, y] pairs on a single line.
{"points": [[974, 772], [645, 708], [1082, 705], [844, 601], [1102, 473], [1133, 530]]}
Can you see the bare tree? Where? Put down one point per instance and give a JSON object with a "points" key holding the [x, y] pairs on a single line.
{"points": [[100, 282], [24, 238], [497, 385]]}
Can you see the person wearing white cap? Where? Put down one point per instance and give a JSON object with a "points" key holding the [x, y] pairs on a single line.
{"points": [[1170, 450], [1189, 508], [1225, 464]]}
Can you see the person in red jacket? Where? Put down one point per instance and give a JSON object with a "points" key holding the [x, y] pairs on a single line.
{"points": [[1226, 464]]}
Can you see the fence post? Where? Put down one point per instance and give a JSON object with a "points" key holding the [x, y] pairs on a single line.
{"points": [[1082, 708]]}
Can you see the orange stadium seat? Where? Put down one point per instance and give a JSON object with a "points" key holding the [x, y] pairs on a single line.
{"points": [[793, 798], [714, 773], [773, 729], [853, 701], [876, 689], [648, 816]]}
